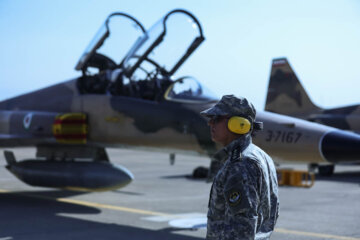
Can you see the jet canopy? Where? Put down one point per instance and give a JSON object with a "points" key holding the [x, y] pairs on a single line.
{"points": [[123, 29], [146, 69], [188, 89], [168, 43]]}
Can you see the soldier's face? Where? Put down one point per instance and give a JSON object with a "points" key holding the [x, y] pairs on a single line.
{"points": [[219, 130]]}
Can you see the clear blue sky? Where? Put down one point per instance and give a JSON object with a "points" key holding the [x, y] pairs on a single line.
{"points": [[42, 40]]}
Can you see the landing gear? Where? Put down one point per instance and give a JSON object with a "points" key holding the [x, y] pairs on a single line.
{"points": [[323, 170], [326, 170], [217, 161], [172, 158], [312, 167], [200, 173]]}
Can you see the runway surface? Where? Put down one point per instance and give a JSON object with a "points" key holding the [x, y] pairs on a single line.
{"points": [[164, 202]]}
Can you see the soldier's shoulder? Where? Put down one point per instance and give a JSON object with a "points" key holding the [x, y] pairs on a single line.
{"points": [[256, 153], [245, 165]]}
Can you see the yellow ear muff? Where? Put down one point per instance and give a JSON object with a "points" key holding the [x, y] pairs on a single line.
{"points": [[239, 125]]}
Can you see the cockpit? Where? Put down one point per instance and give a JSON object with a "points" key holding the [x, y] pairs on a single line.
{"points": [[147, 70], [188, 89]]}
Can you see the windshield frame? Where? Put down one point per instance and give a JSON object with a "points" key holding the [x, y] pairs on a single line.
{"points": [[196, 42], [211, 97], [94, 44]]}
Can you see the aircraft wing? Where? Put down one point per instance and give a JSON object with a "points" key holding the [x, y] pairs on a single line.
{"points": [[11, 140]]}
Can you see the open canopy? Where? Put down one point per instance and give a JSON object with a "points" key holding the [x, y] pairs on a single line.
{"points": [[123, 29], [168, 43], [141, 63]]}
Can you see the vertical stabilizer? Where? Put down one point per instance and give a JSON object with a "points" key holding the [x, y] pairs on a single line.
{"points": [[285, 94]]}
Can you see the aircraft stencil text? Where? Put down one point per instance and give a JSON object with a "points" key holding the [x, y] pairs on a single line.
{"points": [[283, 136]]}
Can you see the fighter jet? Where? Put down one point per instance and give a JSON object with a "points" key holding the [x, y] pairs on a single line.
{"points": [[287, 96], [137, 102]]}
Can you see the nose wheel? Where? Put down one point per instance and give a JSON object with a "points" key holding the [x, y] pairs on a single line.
{"points": [[323, 170], [326, 170]]}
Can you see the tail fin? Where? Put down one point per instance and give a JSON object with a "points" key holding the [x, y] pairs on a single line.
{"points": [[285, 94]]}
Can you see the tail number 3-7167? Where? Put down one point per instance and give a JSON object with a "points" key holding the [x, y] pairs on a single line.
{"points": [[283, 136]]}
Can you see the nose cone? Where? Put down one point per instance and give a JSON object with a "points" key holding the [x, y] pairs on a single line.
{"points": [[122, 176], [102, 176], [341, 146]]}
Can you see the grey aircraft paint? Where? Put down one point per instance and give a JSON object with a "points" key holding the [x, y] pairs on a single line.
{"points": [[78, 119]]}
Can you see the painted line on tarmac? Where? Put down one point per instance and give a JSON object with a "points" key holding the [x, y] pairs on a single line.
{"points": [[91, 204], [146, 212], [112, 207]]}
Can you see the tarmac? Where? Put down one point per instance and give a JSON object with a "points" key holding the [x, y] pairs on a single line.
{"points": [[165, 202]]}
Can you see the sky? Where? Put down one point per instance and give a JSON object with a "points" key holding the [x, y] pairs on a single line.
{"points": [[41, 42]]}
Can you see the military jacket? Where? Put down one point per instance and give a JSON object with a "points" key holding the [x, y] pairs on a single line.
{"points": [[243, 200]]}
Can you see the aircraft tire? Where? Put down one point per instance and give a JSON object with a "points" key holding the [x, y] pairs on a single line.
{"points": [[326, 170], [200, 172]]}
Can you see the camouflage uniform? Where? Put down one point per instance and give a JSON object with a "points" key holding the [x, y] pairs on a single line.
{"points": [[243, 200]]}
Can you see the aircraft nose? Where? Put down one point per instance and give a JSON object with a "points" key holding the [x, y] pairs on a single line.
{"points": [[341, 146]]}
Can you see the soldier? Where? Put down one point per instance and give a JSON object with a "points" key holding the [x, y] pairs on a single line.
{"points": [[243, 200]]}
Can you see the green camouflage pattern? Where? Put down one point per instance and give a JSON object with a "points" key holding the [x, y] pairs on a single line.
{"points": [[244, 201], [287, 96], [229, 105], [135, 122]]}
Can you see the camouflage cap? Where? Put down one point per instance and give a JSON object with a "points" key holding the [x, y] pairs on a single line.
{"points": [[229, 105]]}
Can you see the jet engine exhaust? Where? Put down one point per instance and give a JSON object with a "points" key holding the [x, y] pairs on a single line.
{"points": [[341, 146], [79, 176]]}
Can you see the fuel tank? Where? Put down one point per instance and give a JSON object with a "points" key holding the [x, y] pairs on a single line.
{"points": [[80, 176]]}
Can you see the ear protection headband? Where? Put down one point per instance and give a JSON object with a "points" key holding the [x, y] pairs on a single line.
{"points": [[239, 125]]}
